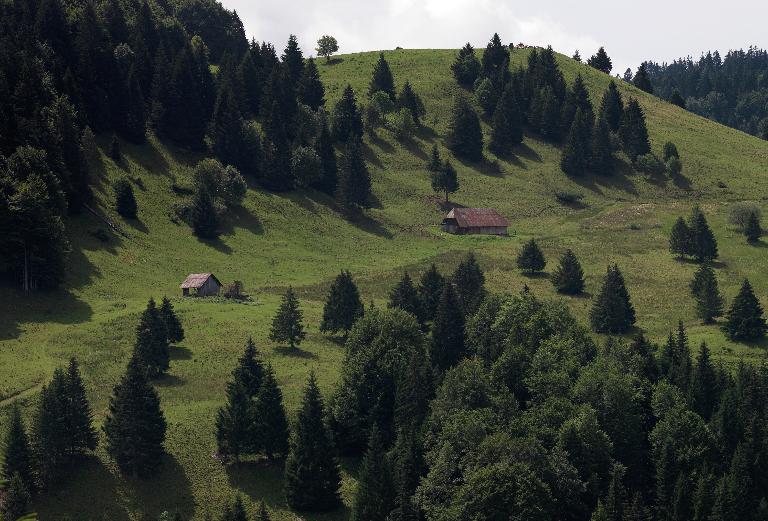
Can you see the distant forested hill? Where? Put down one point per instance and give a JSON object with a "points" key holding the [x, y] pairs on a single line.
{"points": [[731, 90]]}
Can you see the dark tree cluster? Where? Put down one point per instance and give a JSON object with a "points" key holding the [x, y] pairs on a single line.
{"points": [[693, 238]]}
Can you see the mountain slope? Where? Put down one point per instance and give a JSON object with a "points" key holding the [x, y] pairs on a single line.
{"points": [[300, 239]]}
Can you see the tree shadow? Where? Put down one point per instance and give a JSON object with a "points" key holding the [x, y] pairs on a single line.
{"points": [[332, 61], [59, 307], [369, 225], [180, 353], [526, 152], [681, 182], [370, 155], [137, 224], [485, 166], [620, 180], [414, 148], [241, 217], [536, 275], [216, 244], [169, 380], [260, 480], [426, 133], [296, 352], [381, 144]]}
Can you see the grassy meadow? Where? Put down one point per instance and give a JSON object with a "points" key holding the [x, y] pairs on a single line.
{"points": [[299, 239]]}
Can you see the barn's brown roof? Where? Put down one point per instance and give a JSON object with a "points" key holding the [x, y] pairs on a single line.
{"points": [[196, 280], [477, 218]]}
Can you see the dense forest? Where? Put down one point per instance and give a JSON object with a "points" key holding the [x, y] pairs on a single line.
{"points": [[731, 90]]}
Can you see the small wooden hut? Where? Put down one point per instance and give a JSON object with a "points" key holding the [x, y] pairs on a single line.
{"points": [[201, 285], [485, 221]]}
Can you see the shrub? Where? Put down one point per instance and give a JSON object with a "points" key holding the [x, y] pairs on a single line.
{"points": [[306, 165], [485, 95], [649, 164], [674, 166], [740, 213], [402, 124], [670, 151], [382, 102], [566, 197]]}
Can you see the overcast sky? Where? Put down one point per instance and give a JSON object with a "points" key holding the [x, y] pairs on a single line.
{"points": [[652, 29]]}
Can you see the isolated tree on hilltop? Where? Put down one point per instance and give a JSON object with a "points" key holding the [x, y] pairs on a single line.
{"points": [[466, 68], [173, 327], [326, 46], [381, 79], [531, 258], [287, 326], [568, 277], [342, 306], [601, 61], [612, 311], [744, 320], [465, 136]]}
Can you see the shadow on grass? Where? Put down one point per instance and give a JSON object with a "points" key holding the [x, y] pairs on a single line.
{"points": [[330, 62], [169, 380], [295, 352], [241, 217], [535, 275], [59, 307], [526, 152], [485, 166], [137, 225], [381, 144], [180, 353], [369, 225], [414, 148]]}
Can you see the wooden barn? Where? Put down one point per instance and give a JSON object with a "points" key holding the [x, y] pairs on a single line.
{"points": [[486, 221], [201, 285]]}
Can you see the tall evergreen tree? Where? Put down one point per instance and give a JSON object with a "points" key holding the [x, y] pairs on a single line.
{"points": [[312, 478], [78, 419], [354, 180], [151, 347], [545, 113], [250, 370], [709, 302], [18, 454], [310, 89], [680, 238], [408, 99], [495, 57], [612, 311], [744, 320], [465, 136], [430, 289], [342, 306], [568, 277], [407, 469], [577, 98], [753, 231], [704, 384], [642, 80], [270, 418], [466, 68], [288, 326], [125, 202], [445, 179], [203, 215], [601, 61], [576, 157], [413, 391], [633, 132], [447, 348], [347, 122], [373, 500], [381, 79], [135, 427], [173, 327], [405, 297], [50, 443], [16, 499], [327, 154], [507, 129], [601, 152], [469, 282], [612, 107], [293, 61], [703, 243], [235, 430], [531, 258]]}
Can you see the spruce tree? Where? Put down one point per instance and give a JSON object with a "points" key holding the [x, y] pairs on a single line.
{"points": [[545, 114], [575, 159], [704, 288], [568, 277], [354, 180], [18, 453], [601, 61], [465, 136], [342, 306], [507, 128], [447, 347], [577, 98], [327, 154], [612, 107], [407, 469], [78, 418], [250, 370], [235, 429], [135, 427], [203, 215], [49, 441], [466, 68], [288, 326], [381, 79], [703, 243], [677, 99], [408, 99], [435, 162], [413, 391], [347, 122], [495, 57], [633, 131], [293, 61], [270, 419], [531, 259], [173, 327], [405, 297], [704, 385], [601, 152], [125, 202], [16, 499], [312, 478], [373, 501], [680, 238], [430, 289], [612, 311], [753, 231], [642, 80], [744, 320], [445, 179], [310, 89], [469, 282], [151, 347]]}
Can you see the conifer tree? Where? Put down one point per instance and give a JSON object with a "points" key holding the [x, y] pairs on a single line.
{"points": [[507, 129], [342, 306], [709, 302], [151, 347], [577, 98], [576, 158], [531, 259], [495, 57], [435, 162], [704, 385], [250, 79], [744, 320], [288, 326], [444, 179], [677, 99], [703, 243], [347, 122], [465, 136], [381, 79], [413, 391], [545, 114], [612, 107], [327, 154], [293, 61], [77, 416], [310, 89], [601, 61], [373, 500], [753, 231], [407, 469], [235, 429], [135, 426], [447, 347], [125, 202], [16, 499], [203, 216], [312, 478], [469, 282], [49, 441], [601, 153], [466, 68], [430, 289], [276, 172], [408, 99], [250, 370], [642, 80], [270, 419], [354, 180], [633, 132], [680, 238], [405, 297], [18, 453], [568, 277], [173, 327], [612, 311]]}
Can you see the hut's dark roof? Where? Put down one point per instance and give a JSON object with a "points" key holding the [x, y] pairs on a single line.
{"points": [[197, 280], [477, 218]]}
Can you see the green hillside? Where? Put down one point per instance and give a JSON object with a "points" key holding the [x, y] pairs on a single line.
{"points": [[299, 239]]}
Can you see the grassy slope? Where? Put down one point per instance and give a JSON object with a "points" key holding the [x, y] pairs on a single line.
{"points": [[298, 239]]}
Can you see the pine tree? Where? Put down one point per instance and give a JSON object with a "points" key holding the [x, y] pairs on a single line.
{"points": [[327, 154], [203, 216], [235, 423], [576, 158], [744, 320], [125, 202], [381, 79], [507, 128], [293, 61], [49, 441], [250, 79], [447, 347], [78, 419], [465, 136], [354, 180], [704, 385], [310, 89], [577, 98], [151, 347], [407, 470], [445, 179], [347, 121], [704, 288], [612, 311], [135, 427], [633, 132], [18, 453], [666, 472], [680, 238], [469, 282], [495, 57], [250, 370], [373, 500], [601, 61], [405, 297], [288, 326], [342, 306], [531, 259], [703, 243], [16, 499], [677, 99], [466, 68], [601, 153], [413, 391], [753, 231], [408, 99], [312, 478], [642, 80], [568, 277], [173, 327], [270, 419], [545, 113], [611, 107], [430, 289]]}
